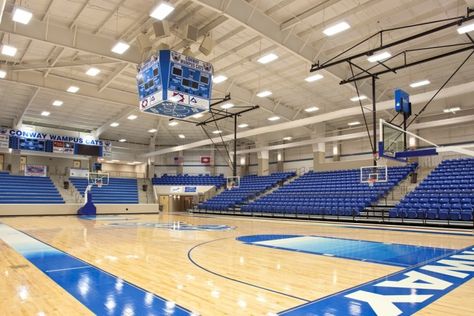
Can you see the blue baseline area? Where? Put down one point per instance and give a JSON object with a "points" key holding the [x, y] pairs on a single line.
{"points": [[368, 251], [402, 293], [99, 291]]}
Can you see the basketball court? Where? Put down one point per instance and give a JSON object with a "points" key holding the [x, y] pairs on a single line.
{"points": [[236, 157]]}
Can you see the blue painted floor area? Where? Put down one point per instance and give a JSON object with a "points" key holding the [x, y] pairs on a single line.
{"points": [[369, 251], [99, 291]]}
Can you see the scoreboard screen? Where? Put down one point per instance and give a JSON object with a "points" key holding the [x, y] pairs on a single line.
{"points": [[32, 144], [88, 150]]}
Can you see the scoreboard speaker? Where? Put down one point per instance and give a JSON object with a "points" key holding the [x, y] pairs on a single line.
{"points": [[161, 29], [207, 45], [192, 33]]}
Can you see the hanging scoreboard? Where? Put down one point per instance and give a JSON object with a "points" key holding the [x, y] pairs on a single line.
{"points": [[174, 85]]}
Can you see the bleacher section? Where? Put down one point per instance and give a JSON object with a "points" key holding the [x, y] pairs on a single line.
{"points": [[335, 193], [250, 187], [118, 191], [217, 181], [446, 194], [28, 190]]}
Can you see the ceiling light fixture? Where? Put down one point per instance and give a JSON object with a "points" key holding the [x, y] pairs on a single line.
{"points": [[199, 115], [173, 123], [181, 136], [3, 74], [72, 89], [312, 109], [336, 28], [268, 58], [114, 124], [8, 50], [379, 57], [287, 138], [132, 117], [466, 28], [153, 130], [93, 71], [452, 110], [314, 78], [45, 113], [357, 98], [353, 123], [420, 83], [217, 132], [58, 103], [122, 140], [273, 118], [120, 47], [243, 125], [21, 15], [264, 94], [227, 106], [161, 11], [219, 79]]}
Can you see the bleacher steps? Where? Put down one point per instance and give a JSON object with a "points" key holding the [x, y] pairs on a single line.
{"points": [[69, 196], [147, 197]]}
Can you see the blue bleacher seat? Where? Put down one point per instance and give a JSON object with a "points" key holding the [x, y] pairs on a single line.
{"points": [[118, 191], [28, 190]]}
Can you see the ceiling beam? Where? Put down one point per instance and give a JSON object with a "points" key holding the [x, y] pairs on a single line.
{"points": [[123, 114], [62, 64], [73, 39], [335, 115], [78, 14], [19, 120], [111, 77], [107, 18], [307, 14], [53, 59]]}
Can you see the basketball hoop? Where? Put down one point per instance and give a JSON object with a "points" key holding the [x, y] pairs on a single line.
{"points": [[371, 182], [99, 184]]}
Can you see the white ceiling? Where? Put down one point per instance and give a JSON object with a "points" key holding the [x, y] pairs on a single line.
{"points": [[66, 37]]}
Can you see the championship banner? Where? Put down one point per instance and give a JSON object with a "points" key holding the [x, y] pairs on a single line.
{"points": [[4, 141], [36, 171]]}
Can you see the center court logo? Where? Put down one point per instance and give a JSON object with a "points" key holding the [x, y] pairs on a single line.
{"points": [[176, 226]]}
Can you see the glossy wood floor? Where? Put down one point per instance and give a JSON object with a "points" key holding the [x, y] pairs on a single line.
{"points": [[224, 277]]}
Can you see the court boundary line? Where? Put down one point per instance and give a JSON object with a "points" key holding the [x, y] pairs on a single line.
{"points": [[232, 279], [87, 263]]}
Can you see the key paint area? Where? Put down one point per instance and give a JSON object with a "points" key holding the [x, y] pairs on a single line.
{"points": [[99, 291], [369, 251]]}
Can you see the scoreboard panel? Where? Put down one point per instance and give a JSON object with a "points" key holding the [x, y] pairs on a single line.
{"points": [[174, 85]]}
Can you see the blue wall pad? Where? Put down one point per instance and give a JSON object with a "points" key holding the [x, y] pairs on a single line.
{"points": [[369, 251], [402, 293], [99, 291]]}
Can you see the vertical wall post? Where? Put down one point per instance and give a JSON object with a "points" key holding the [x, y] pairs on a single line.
{"points": [[374, 122], [234, 162]]}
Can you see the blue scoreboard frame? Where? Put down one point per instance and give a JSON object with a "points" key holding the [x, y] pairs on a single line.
{"points": [[174, 85]]}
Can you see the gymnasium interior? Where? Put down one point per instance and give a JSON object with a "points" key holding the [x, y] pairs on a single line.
{"points": [[236, 157]]}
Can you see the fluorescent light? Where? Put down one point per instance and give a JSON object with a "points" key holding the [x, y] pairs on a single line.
{"points": [[122, 140], [3, 74], [58, 102], [314, 78], [181, 136], [73, 89], [267, 58], [153, 130], [336, 28], [114, 124], [312, 109], [93, 72], [264, 94], [273, 118], [217, 132], [22, 15], [219, 79], [45, 113], [353, 123], [227, 106], [243, 125], [452, 110], [357, 98], [173, 123], [287, 138], [199, 115], [132, 117], [120, 47], [466, 28], [161, 11], [9, 50], [420, 83], [379, 57]]}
